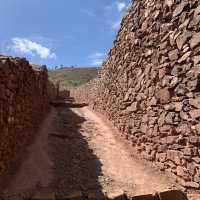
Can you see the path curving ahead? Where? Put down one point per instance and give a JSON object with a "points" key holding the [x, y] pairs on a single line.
{"points": [[77, 150]]}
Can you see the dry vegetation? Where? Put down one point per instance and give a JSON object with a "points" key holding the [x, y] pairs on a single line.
{"points": [[73, 77]]}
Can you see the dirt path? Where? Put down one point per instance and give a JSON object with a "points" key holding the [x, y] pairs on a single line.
{"points": [[121, 171], [76, 150]]}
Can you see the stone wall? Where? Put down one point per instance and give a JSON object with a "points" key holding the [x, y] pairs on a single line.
{"points": [[24, 101], [149, 86]]}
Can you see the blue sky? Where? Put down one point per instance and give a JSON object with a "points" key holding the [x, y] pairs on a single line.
{"points": [[60, 32]]}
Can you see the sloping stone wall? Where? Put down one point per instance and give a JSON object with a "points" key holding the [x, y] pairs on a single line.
{"points": [[149, 86], [24, 101]]}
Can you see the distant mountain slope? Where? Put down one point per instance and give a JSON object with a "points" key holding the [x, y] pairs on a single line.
{"points": [[73, 77]]}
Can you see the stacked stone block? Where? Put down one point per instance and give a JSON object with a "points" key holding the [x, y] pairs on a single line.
{"points": [[149, 86], [24, 101]]}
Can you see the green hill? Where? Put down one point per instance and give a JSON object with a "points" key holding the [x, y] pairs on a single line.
{"points": [[73, 77]]}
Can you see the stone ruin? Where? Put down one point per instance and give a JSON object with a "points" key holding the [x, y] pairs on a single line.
{"points": [[25, 94], [149, 86]]}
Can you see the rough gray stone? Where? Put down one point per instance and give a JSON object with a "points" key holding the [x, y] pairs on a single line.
{"points": [[195, 102], [185, 57], [196, 60], [195, 40], [196, 159], [173, 55], [175, 156], [183, 172], [195, 113], [194, 139], [192, 185], [164, 95], [179, 8], [182, 39]]}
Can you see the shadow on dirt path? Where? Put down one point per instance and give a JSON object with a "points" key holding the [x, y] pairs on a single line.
{"points": [[77, 150], [59, 160], [76, 167]]}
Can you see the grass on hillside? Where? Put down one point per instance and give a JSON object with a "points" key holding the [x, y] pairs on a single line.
{"points": [[73, 77]]}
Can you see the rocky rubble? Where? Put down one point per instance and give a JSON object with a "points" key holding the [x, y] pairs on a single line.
{"points": [[149, 86], [24, 101]]}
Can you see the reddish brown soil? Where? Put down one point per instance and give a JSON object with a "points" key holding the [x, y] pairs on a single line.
{"points": [[77, 150]]}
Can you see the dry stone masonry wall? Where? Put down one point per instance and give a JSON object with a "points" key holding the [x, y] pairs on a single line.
{"points": [[24, 101], [149, 86]]}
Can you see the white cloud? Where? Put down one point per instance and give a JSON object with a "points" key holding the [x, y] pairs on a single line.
{"points": [[121, 6], [88, 12], [115, 18], [116, 24], [26, 46], [96, 59]]}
